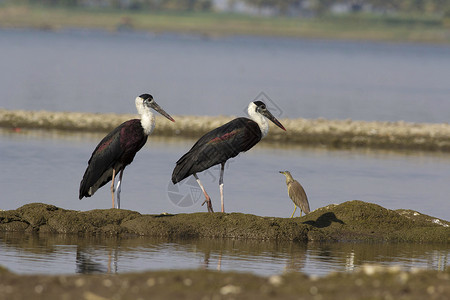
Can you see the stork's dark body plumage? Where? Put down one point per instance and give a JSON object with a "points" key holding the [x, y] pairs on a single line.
{"points": [[115, 151], [223, 143], [217, 146], [118, 149]]}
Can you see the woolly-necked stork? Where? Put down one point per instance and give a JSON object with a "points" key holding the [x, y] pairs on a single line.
{"points": [[118, 148], [223, 143]]}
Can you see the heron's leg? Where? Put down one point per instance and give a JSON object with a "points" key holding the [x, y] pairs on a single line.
{"points": [[119, 188], [301, 212], [112, 186], [221, 185], [207, 198], [295, 208]]}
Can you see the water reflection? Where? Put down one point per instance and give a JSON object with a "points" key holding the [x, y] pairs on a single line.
{"points": [[85, 264], [55, 254]]}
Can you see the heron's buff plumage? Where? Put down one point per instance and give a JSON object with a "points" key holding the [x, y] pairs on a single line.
{"points": [[296, 193], [289, 178]]}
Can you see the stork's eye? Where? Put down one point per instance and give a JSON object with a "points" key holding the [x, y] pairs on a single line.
{"points": [[263, 106]]}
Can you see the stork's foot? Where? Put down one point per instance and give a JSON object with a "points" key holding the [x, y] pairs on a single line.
{"points": [[208, 204]]}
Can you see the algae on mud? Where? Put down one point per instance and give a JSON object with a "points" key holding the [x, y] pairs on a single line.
{"points": [[320, 132], [349, 221]]}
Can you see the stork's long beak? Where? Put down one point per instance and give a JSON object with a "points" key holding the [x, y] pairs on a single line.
{"points": [[158, 108], [266, 113]]}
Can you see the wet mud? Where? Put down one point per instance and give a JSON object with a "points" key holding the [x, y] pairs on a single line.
{"points": [[369, 282]]}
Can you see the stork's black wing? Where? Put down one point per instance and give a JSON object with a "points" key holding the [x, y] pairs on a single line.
{"points": [[116, 150], [217, 146]]}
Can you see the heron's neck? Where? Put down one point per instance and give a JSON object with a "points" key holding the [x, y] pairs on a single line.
{"points": [[289, 179], [259, 119]]}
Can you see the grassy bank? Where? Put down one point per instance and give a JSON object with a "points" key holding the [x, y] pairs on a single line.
{"points": [[354, 27]]}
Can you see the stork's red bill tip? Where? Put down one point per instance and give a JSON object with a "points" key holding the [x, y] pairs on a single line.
{"points": [[279, 124]]}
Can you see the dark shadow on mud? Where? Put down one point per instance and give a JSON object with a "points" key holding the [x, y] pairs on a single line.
{"points": [[164, 215], [324, 220]]}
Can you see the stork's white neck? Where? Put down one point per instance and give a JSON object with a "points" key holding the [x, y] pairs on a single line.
{"points": [[258, 118], [147, 117]]}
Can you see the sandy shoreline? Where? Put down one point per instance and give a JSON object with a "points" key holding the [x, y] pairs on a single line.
{"points": [[318, 132]]}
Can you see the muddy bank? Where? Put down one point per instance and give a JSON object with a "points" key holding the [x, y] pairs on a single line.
{"points": [[349, 221], [319, 132], [369, 282]]}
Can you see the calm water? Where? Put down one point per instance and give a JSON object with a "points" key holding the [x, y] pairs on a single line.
{"points": [[58, 254], [94, 71], [47, 167], [42, 168]]}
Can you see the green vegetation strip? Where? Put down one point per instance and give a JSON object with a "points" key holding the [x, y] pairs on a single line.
{"points": [[355, 27], [319, 132], [349, 221]]}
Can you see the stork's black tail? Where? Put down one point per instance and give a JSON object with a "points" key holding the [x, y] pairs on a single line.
{"points": [[182, 169], [87, 182], [84, 186], [193, 162]]}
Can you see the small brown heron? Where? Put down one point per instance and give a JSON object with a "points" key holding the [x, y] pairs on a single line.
{"points": [[296, 193]]}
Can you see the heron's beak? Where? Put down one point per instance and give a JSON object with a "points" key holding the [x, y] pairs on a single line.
{"points": [[269, 116], [158, 108]]}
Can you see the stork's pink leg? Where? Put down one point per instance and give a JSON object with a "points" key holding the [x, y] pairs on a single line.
{"points": [[112, 187], [207, 198], [221, 186]]}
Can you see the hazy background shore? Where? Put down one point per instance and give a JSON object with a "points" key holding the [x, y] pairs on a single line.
{"points": [[427, 21]]}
